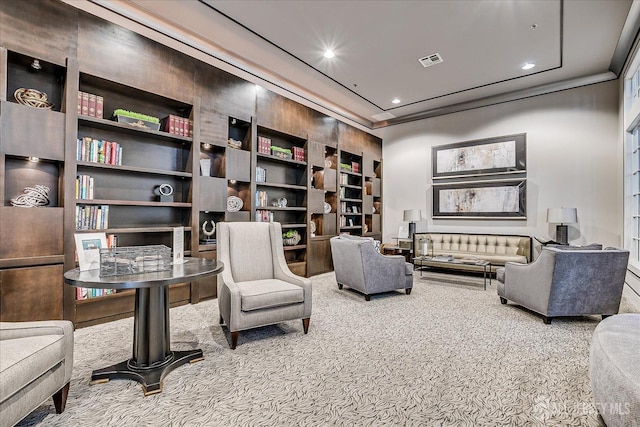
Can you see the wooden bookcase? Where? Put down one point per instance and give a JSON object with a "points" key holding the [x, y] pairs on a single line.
{"points": [[134, 73], [31, 153], [350, 193], [137, 214]]}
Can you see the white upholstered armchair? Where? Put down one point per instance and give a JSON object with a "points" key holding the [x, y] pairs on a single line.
{"points": [[256, 287]]}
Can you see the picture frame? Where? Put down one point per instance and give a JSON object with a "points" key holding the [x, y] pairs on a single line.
{"points": [[88, 247], [496, 156], [489, 199], [403, 232]]}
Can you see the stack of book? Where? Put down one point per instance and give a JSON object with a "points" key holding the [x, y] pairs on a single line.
{"points": [[177, 125], [92, 217], [298, 154], [261, 174], [98, 151], [84, 187], [264, 216], [90, 105], [262, 199], [264, 145]]}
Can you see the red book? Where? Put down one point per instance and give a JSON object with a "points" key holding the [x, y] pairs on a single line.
{"points": [[79, 102], [172, 124], [190, 127], [114, 157], [92, 105], [85, 104], [99, 107], [181, 126]]}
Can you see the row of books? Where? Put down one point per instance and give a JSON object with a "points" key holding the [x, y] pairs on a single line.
{"points": [[90, 104], [346, 222], [86, 293], [98, 151], [264, 145], [344, 179], [261, 174], [84, 187], [262, 199], [177, 125], [264, 216], [94, 217], [298, 153]]}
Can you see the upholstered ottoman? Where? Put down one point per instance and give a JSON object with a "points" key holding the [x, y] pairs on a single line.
{"points": [[614, 368]]}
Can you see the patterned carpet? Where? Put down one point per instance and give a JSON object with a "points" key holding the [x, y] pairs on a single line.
{"points": [[449, 354]]}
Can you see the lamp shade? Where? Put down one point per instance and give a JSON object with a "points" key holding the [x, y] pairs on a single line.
{"points": [[412, 215], [562, 215]]}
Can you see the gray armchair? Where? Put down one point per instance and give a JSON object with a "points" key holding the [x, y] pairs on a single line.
{"points": [[360, 266], [567, 282], [256, 287], [36, 361]]}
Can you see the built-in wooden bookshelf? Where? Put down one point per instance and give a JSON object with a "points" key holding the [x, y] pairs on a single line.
{"points": [[226, 115]]}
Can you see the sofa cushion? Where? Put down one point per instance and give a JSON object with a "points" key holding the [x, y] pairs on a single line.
{"points": [[22, 360], [257, 294]]}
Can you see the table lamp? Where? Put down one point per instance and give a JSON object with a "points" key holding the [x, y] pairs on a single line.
{"points": [[412, 215], [562, 216]]}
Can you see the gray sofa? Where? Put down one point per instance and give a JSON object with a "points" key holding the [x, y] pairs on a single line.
{"points": [[358, 265], [567, 282], [36, 360], [614, 369], [495, 248]]}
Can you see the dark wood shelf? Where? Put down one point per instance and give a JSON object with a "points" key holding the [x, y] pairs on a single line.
{"points": [[277, 208], [293, 225], [350, 214], [351, 227], [294, 247], [135, 169], [124, 230], [110, 125], [357, 187], [279, 159], [349, 172], [31, 261], [287, 186], [131, 203], [351, 200]]}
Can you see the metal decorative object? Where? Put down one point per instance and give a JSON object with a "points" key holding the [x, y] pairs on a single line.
{"points": [[35, 196], [208, 233], [327, 208]]}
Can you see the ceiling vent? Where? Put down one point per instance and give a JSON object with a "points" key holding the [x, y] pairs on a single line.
{"points": [[430, 60]]}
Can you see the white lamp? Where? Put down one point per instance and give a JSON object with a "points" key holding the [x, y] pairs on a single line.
{"points": [[412, 215], [562, 216]]}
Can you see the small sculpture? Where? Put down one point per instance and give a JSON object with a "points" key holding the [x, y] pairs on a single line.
{"points": [[208, 233], [35, 196]]}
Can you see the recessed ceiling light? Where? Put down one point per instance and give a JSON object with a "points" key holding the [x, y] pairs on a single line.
{"points": [[395, 101], [528, 66], [329, 54]]}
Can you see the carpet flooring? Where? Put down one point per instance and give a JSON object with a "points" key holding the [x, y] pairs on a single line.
{"points": [[449, 354]]}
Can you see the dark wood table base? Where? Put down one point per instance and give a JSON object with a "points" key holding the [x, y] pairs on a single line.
{"points": [[150, 378]]}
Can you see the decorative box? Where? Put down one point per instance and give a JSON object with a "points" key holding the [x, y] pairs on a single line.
{"points": [[134, 260], [283, 153], [138, 123]]}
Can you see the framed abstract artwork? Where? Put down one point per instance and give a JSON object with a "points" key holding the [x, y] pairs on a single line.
{"points": [[492, 156], [495, 199]]}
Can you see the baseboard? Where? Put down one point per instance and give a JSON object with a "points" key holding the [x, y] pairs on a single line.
{"points": [[632, 296]]}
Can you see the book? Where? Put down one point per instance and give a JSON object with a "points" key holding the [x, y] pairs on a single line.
{"points": [[79, 102], [92, 105], [85, 104], [99, 107]]}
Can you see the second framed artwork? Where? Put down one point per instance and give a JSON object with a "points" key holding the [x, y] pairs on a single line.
{"points": [[499, 199], [491, 156]]}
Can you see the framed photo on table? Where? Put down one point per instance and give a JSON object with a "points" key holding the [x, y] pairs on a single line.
{"points": [[88, 247]]}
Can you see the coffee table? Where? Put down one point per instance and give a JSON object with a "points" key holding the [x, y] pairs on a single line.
{"points": [[467, 265]]}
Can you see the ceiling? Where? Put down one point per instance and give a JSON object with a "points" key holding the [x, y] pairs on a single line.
{"points": [[377, 44]]}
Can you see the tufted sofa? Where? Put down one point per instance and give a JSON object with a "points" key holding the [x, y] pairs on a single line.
{"points": [[495, 248]]}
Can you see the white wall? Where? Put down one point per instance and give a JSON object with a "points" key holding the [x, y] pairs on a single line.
{"points": [[574, 159]]}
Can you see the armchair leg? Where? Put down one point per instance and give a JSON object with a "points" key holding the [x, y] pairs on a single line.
{"points": [[221, 320], [408, 291], [604, 316], [234, 340], [305, 324], [60, 398], [546, 320], [367, 297], [339, 285], [503, 300]]}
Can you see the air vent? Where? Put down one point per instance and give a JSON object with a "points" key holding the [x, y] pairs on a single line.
{"points": [[430, 60]]}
